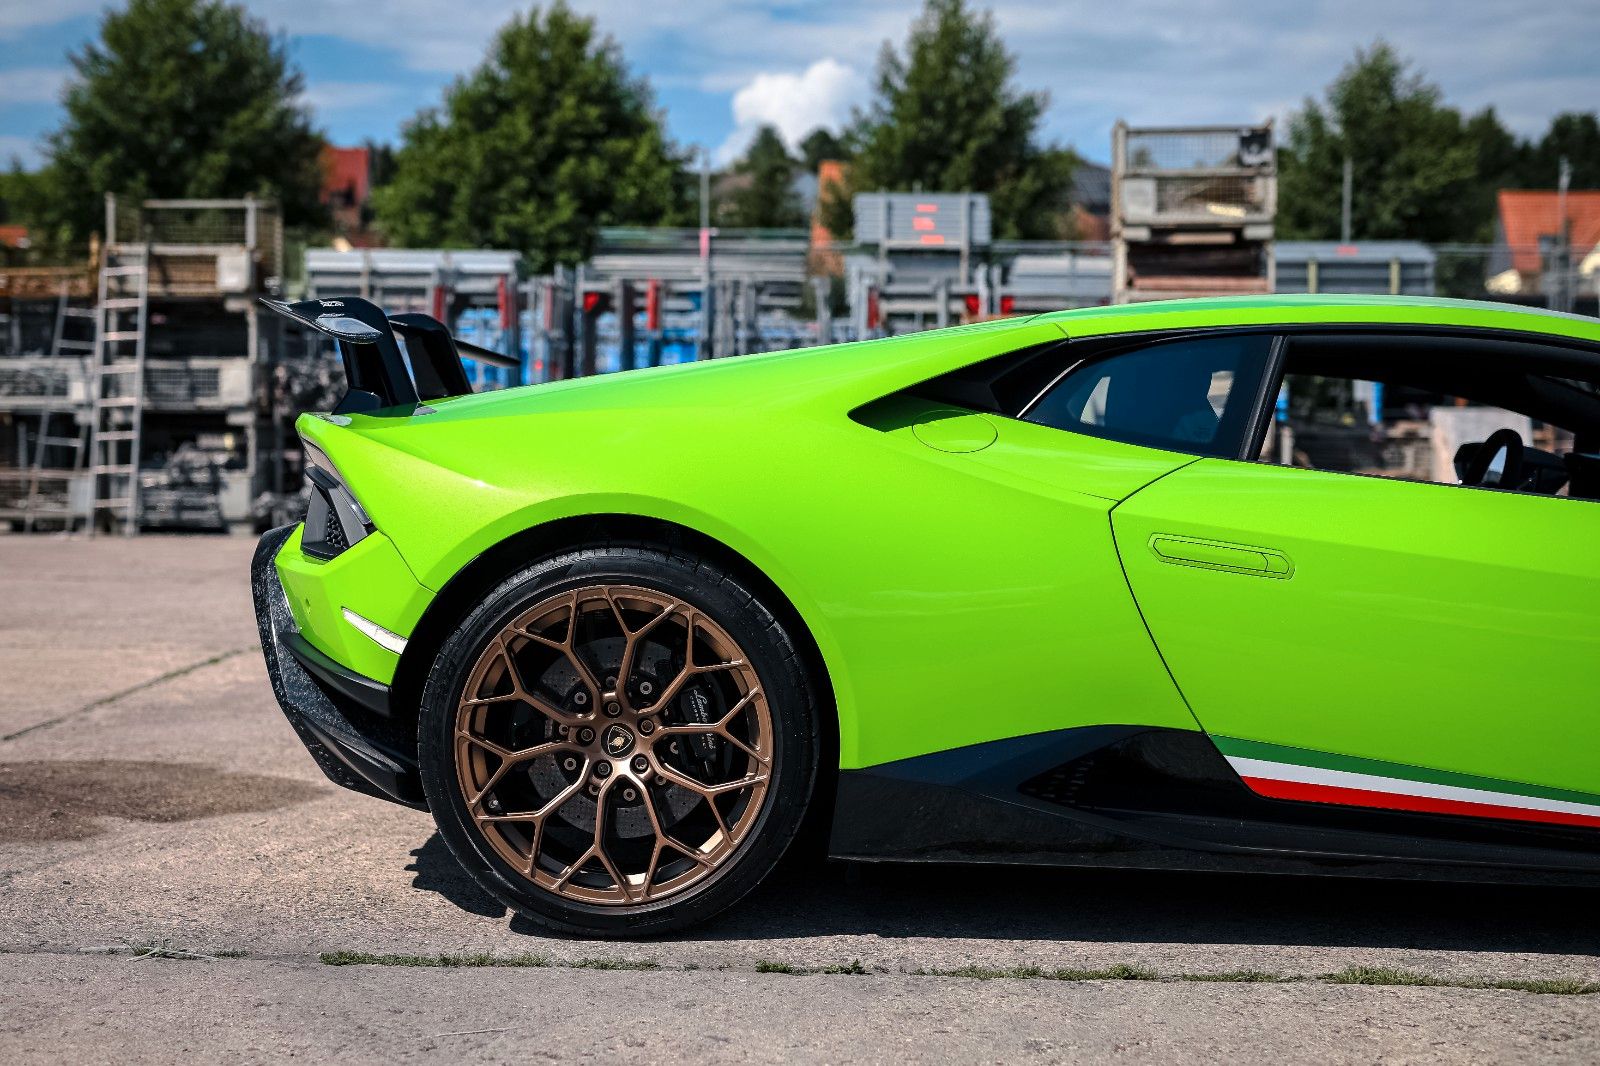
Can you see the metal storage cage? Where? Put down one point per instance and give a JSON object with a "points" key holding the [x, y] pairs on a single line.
{"points": [[1192, 210], [649, 296], [1395, 268]]}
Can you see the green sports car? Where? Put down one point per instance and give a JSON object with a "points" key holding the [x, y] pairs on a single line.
{"points": [[1293, 583]]}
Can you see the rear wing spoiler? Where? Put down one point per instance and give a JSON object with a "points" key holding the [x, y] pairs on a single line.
{"points": [[374, 364]]}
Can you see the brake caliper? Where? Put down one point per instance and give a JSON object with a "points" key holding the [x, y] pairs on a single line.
{"points": [[697, 710]]}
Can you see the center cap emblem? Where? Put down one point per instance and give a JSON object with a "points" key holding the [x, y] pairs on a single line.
{"points": [[617, 740]]}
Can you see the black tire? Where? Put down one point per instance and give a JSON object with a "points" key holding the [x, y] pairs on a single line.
{"points": [[790, 704]]}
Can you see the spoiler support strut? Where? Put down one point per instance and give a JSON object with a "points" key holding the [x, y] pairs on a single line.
{"points": [[374, 365]]}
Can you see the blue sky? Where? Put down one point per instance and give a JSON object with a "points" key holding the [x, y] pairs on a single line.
{"points": [[720, 68]]}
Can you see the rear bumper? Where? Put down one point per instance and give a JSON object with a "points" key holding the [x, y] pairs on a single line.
{"points": [[340, 716]]}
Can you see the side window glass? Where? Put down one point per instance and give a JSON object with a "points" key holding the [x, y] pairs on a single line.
{"points": [[1383, 429], [1195, 395], [1454, 410]]}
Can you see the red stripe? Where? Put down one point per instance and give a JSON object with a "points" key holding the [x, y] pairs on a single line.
{"points": [[1361, 797]]}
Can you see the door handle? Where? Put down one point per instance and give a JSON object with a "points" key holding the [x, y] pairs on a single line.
{"points": [[1220, 555]]}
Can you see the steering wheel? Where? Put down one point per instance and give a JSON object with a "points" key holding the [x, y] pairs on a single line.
{"points": [[1479, 472]]}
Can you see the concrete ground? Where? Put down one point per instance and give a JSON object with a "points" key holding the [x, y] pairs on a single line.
{"points": [[173, 869]]}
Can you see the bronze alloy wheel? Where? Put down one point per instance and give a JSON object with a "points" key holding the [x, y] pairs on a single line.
{"points": [[613, 745]]}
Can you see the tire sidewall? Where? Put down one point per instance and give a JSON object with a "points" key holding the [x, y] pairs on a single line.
{"points": [[772, 653]]}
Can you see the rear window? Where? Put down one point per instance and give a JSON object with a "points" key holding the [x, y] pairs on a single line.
{"points": [[1195, 395]]}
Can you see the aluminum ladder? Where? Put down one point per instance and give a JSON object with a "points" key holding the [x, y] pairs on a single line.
{"points": [[117, 384], [58, 405]]}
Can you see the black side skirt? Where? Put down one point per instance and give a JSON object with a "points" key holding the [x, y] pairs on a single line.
{"points": [[340, 716], [1132, 796]]}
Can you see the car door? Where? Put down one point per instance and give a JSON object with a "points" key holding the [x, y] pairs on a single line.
{"points": [[1379, 642]]}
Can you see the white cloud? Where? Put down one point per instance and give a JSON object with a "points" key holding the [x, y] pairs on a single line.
{"points": [[796, 104], [1154, 61], [326, 96], [31, 85], [17, 17]]}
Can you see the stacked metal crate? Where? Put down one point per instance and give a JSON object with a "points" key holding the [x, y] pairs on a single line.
{"points": [[664, 295], [1192, 211], [185, 416], [46, 334]]}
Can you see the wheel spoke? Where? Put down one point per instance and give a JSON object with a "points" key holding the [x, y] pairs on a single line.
{"points": [[633, 637], [665, 839], [551, 806], [567, 646], [599, 846], [706, 791], [508, 760], [723, 728]]}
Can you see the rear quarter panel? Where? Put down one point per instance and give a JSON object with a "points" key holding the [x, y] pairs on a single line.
{"points": [[952, 606]]}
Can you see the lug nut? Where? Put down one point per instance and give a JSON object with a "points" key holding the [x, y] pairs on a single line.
{"points": [[640, 764], [647, 727], [602, 769], [613, 708], [586, 735]]}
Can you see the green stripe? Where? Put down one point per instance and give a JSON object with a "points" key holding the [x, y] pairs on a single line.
{"points": [[1355, 764]]}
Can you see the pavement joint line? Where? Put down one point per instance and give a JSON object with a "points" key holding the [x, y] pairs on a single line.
{"points": [[114, 697], [1371, 976]]}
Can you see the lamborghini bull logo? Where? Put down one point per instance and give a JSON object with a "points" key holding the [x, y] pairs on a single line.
{"points": [[618, 741]]}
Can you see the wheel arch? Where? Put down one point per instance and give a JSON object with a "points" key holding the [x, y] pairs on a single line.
{"points": [[467, 587]]}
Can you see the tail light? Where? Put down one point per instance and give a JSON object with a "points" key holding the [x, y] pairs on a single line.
{"points": [[335, 519]]}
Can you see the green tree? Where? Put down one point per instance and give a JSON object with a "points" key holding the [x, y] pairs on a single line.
{"points": [[818, 145], [945, 117], [1574, 136], [1416, 171], [547, 141], [761, 188], [1501, 159], [179, 98]]}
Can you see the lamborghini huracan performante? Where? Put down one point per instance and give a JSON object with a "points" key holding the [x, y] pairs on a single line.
{"points": [[1283, 583]]}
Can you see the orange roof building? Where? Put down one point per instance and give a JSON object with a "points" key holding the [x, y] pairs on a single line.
{"points": [[346, 183], [346, 176], [1528, 214]]}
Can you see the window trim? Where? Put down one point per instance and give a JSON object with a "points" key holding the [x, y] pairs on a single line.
{"points": [[1266, 399]]}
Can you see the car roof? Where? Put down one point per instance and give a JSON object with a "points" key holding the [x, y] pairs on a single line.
{"points": [[1321, 309]]}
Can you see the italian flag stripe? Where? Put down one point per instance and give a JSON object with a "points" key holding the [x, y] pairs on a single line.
{"points": [[1320, 777], [1358, 797]]}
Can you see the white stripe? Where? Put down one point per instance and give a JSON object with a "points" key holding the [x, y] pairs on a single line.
{"points": [[380, 636], [1313, 775]]}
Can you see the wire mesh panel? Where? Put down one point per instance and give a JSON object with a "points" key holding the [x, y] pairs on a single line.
{"points": [[192, 231], [211, 222], [40, 378], [1202, 148], [1224, 197]]}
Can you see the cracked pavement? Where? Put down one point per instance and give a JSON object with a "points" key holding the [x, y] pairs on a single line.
{"points": [[151, 793]]}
